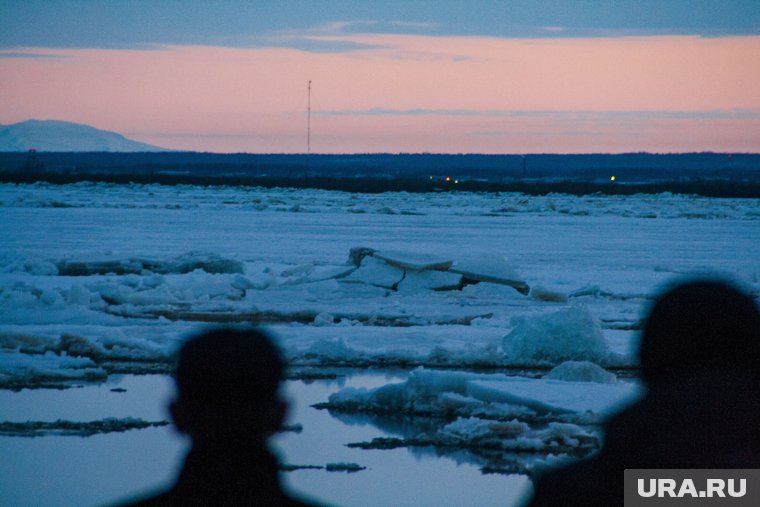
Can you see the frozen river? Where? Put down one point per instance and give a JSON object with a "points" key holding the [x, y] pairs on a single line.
{"points": [[98, 281]]}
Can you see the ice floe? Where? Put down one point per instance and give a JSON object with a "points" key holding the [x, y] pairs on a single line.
{"points": [[75, 428], [492, 396], [568, 334], [490, 417]]}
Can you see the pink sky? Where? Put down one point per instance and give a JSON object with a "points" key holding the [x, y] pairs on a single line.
{"points": [[407, 94]]}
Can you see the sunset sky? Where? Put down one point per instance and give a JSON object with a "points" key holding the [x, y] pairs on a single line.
{"points": [[391, 76]]}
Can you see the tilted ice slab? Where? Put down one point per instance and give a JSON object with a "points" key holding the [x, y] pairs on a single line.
{"points": [[376, 272], [413, 271]]}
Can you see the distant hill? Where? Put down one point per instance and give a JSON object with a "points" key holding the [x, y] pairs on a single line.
{"points": [[58, 136]]}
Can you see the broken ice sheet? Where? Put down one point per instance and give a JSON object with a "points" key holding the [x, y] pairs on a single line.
{"points": [[485, 418]]}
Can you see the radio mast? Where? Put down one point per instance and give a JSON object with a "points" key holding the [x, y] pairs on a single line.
{"points": [[308, 123]]}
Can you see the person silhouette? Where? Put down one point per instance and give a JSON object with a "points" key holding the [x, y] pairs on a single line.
{"points": [[228, 404], [700, 363]]}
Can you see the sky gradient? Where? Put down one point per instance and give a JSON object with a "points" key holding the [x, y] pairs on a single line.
{"points": [[396, 76]]}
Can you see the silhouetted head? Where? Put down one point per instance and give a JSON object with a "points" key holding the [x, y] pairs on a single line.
{"points": [[700, 327], [227, 386]]}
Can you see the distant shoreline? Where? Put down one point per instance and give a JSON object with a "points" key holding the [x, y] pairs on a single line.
{"points": [[704, 174], [721, 189]]}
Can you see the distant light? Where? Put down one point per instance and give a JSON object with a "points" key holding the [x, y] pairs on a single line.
{"points": [[448, 178], [456, 182], [431, 177], [612, 178]]}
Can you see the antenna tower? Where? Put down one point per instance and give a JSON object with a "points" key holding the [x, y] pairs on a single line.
{"points": [[308, 123]]}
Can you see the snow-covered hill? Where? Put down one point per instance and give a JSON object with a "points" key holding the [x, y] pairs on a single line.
{"points": [[52, 135]]}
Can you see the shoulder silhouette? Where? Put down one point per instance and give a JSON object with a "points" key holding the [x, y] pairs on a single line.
{"points": [[700, 363]]}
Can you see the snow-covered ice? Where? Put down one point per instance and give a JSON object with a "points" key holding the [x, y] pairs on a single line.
{"points": [[126, 271]]}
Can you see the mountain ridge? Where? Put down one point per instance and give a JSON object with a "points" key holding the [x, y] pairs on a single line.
{"points": [[63, 136]]}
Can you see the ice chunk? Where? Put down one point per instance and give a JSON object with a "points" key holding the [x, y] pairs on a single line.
{"points": [[413, 261], [490, 268], [581, 371], [568, 334], [375, 272]]}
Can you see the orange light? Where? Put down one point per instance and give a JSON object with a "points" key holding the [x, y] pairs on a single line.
{"points": [[448, 178]]}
